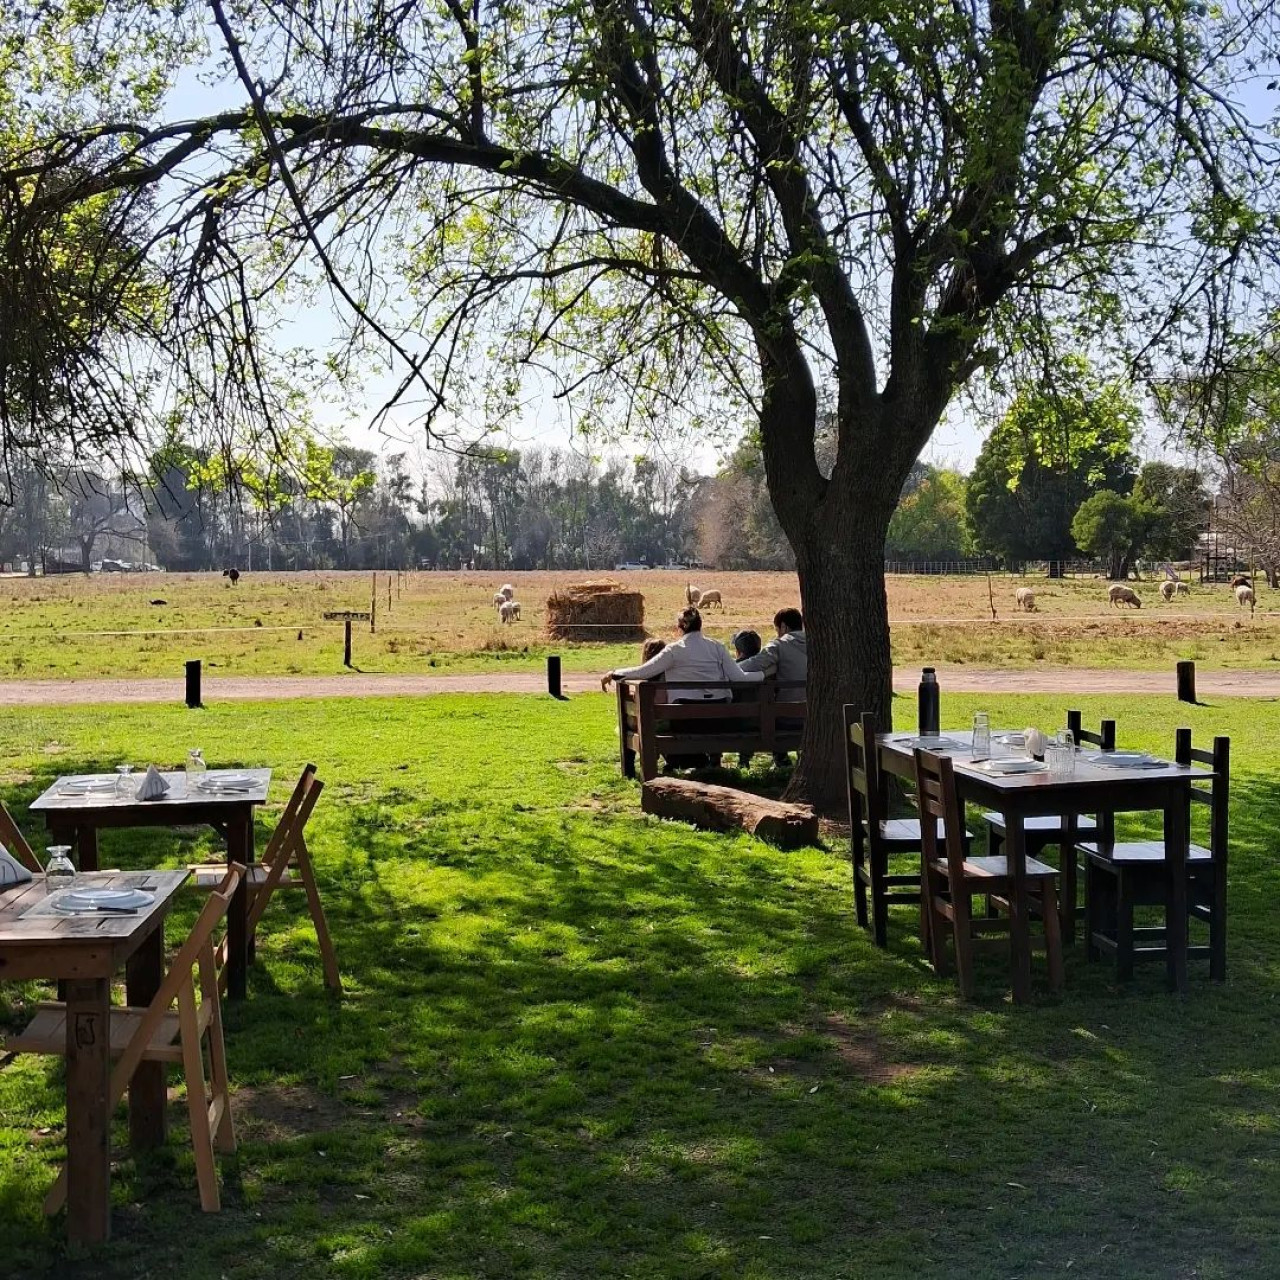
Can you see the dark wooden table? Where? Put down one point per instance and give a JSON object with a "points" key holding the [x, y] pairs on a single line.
{"points": [[83, 952], [76, 819], [1093, 789]]}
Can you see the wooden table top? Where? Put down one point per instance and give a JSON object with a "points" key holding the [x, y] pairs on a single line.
{"points": [[1087, 773], [84, 945], [57, 799]]}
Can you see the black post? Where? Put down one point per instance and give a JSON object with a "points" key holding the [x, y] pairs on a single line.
{"points": [[346, 644], [1186, 682], [553, 675], [193, 684]]}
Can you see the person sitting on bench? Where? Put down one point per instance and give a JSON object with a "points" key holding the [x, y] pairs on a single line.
{"points": [[785, 659], [694, 658]]}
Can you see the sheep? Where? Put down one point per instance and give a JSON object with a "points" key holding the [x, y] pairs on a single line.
{"points": [[1182, 588], [1244, 596], [1240, 580], [1167, 588], [1119, 595], [233, 574], [499, 600], [510, 611], [692, 596], [707, 598], [1026, 599], [507, 591]]}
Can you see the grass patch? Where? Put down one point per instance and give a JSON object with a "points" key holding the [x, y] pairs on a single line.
{"points": [[579, 1042]]}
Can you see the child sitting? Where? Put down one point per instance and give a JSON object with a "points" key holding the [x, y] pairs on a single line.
{"points": [[746, 644]]}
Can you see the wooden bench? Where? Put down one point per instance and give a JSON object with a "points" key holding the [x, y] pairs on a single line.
{"points": [[651, 724]]}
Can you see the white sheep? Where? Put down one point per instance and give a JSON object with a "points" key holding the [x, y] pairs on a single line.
{"points": [[1026, 599], [499, 600], [1119, 595], [1182, 588], [1244, 596], [507, 591], [691, 595], [707, 598], [510, 611], [1167, 588]]}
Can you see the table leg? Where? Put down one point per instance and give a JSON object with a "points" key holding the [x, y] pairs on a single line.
{"points": [[87, 845], [88, 1073], [148, 1091], [1015, 847], [1067, 871], [1176, 836], [239, 849]]}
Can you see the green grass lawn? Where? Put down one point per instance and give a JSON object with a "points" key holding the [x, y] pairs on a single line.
{"points": [[578, 1042]]}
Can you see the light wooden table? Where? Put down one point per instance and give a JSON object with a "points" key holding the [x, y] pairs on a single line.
{"points": [[83, 952], [76, 820], [1092, 789]]}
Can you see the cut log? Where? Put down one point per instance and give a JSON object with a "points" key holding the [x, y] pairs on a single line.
{"points": [[723, 809]]}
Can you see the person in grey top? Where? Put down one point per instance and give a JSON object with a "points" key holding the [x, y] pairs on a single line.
{"points": [[786, 659]]}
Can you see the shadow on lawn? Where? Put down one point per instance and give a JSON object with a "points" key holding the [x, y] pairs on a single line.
{"points": [[580, 1044]]}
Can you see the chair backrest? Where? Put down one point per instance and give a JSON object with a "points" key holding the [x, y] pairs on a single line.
{"points": [[16, 842], [281, 836], [937, 797], [195, 952], [1214, 792], [862, 769], [1104, 739]]}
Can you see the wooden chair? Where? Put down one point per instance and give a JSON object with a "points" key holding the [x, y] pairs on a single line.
{"points": [[951, 879], [158, 1033], [874, 837], [1120, 877], [13, 840], [285, 864]]}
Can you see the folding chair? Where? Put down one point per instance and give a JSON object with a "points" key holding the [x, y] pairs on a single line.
{"points": [[16, 842], [285, 864], [158, 1034]]}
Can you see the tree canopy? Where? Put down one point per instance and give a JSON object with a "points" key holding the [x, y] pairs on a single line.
{"points": [[659, 209]]}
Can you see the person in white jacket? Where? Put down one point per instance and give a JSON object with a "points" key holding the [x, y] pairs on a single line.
{"points": [[693, 657]]}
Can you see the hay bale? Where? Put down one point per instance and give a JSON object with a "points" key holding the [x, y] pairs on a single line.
{"points": [[601, 611]]}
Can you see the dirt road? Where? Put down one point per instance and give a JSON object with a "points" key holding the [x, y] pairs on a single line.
{"points": [[18, 693]]}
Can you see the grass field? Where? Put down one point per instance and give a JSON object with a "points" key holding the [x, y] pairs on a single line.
{"points": [[273, 624], [578, 1042]]}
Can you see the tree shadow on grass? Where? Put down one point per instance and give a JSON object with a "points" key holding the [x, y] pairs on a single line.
{"points": [[580, 1044]]}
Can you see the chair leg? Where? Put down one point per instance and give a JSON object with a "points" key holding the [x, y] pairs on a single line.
{"points": [[1052, 936], [197, 1101], [859, 844], [879, 901], [1124, 926], [1092, 893], [224, 1137], [962, 928], [1218, 929], [328, 957]]}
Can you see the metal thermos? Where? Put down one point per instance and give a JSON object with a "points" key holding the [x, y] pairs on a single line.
{"points": [[927, 701]]}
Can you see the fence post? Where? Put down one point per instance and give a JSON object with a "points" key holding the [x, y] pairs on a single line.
{"points": [[1186, 682], [346, 644], [193, 684], [553, 675]]}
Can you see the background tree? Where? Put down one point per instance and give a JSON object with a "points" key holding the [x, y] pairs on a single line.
{"points": [[1108, 525], [661, 206], [1055, 447], [931, 522], [1172, 507]]}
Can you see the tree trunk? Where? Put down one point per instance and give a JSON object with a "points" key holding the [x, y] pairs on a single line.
{"points": [[846, 616]]}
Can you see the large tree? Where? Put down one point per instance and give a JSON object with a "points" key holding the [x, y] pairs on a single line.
{"points": [[659, 204]]}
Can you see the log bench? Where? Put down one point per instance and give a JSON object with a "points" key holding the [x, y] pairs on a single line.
{"points": [[652, 724], [789, 826]]}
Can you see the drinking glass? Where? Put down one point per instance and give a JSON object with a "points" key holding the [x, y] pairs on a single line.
{"points": [[1060, 757], [124, 781], [59, 871], [982, 736], [196, 769], [1065, 738]]}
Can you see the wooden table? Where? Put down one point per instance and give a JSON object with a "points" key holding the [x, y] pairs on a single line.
{"points": [[76, 820], [83, 952], [1093, 789]]}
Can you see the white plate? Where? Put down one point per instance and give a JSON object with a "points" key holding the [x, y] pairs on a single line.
{"points": [[76, 901], [226, 782], [87, 786], [1014, 765], [937, 742], [1121, 759]]}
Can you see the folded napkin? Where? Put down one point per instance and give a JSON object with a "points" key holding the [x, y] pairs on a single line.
{"points": [[153, 785], [11, 870]]}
